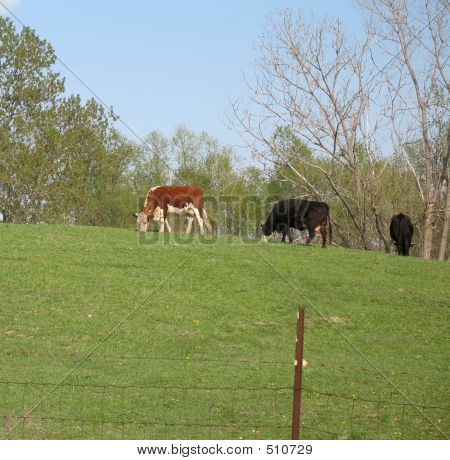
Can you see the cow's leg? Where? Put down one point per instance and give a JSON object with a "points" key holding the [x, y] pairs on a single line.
{"points": [[286, 232], [311, 235], [323, 232], [164, 220], [168, 226], [397, 248], [200, 220], [161, 228], [190, 221], [290, 235]]}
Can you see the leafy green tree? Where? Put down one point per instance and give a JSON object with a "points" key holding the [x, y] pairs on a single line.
{"points": [[151, 164], [60, 160], [188, 153], [30, 92]]}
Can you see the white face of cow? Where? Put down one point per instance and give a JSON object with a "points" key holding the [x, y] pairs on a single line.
{"points": [[141, 221], [266, 239]]}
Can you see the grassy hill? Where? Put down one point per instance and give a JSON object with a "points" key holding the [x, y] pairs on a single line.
{"points": [[103, 335]]}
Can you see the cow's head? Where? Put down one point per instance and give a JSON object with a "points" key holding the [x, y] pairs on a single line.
{"points": [[267, 235], [141, 221]]}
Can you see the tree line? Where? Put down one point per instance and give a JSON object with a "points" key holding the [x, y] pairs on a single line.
{"points": [[321, 109]]}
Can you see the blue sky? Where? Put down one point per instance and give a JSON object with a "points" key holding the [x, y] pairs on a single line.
{"points": [[161, 63]]}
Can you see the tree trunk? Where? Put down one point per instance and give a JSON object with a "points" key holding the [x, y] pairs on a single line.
{"points": [[387, 246], [444, 238], [428, 231]]}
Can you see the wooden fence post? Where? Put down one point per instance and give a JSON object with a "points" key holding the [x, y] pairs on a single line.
{"points": [[298, 374]]}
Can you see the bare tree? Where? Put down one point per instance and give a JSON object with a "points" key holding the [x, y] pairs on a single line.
{"points": [[313, 79], [413, 37], [445, 226]]}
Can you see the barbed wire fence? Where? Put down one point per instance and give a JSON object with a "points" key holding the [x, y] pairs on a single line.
{"points": [[80, 410], [109, 411]]}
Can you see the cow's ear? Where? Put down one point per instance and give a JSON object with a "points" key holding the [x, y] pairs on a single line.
{"points": [[412, 244], [134, 215]]}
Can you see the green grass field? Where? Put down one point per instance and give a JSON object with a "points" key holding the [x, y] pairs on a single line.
{"points": [[106, 336]]}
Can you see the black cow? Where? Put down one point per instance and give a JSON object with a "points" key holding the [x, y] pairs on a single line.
{"points": [[401, 231], [300, 214]]}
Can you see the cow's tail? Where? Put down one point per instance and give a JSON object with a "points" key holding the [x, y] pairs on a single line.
{"points": [[205, 218], [329, 226]]}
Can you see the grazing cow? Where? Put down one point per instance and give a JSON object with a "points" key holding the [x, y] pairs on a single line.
{"points": [[167, 199], [401, 231], [300, 214], [158, 215]]}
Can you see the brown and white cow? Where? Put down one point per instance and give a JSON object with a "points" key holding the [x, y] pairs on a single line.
{"points": [[167, 199]]}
